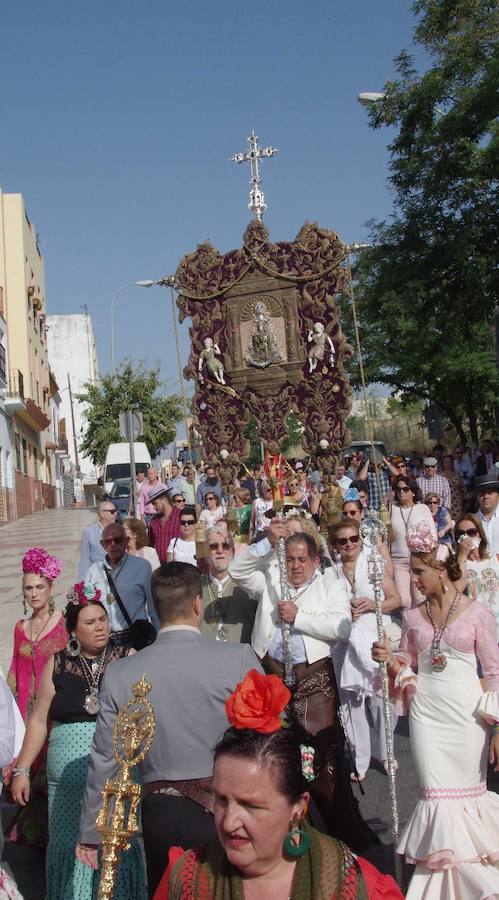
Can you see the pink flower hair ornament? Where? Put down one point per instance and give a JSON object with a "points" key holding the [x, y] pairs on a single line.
{"points": [[82, 593], [38, 562], [420, 539]]}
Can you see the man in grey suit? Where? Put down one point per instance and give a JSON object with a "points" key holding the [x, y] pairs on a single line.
{"points": [[91, 549], [191, 677]]}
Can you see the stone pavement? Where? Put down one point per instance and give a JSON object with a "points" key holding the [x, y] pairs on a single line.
{"points": [[59, 532]]}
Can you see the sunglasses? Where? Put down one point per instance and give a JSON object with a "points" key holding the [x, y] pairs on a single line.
{"points": [[210, 497], [432, 502], [350, 513], [354, 539], [113, 511], [108, 542], [402, 489], [224, 546], [188, 522], [179, 500], [400, 466], [470, 532]]}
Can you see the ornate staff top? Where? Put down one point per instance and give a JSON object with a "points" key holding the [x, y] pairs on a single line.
{"points": [[255, 153]]}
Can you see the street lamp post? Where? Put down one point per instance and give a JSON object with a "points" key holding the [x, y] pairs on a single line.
{"points": [[147, 284]]}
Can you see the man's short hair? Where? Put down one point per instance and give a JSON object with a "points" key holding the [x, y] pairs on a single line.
{"points": [[174, 587], [301, 538]]}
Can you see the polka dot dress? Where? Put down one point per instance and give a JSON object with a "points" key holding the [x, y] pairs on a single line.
{"points": [[67, 878]]}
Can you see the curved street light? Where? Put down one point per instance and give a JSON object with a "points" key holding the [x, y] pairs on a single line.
{"points": [[147, 283]]}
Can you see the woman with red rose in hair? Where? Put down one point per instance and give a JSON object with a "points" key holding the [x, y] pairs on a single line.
{"points": [[265, 849]]}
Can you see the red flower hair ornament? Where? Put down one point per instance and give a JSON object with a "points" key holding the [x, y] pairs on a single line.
{"points": [[257, 703]]}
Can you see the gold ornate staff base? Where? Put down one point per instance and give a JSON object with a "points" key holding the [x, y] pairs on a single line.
{"points": [[132, 738]]}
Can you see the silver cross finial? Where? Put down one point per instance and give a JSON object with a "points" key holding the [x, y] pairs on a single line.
{"points": [[255, 153]]}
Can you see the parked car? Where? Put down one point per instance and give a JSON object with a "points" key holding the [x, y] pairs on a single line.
{"points": [[120, 495]]}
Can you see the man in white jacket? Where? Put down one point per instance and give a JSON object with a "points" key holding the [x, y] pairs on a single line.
{"points": [[319, 612]]}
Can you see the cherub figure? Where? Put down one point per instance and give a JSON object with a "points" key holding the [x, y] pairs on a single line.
{"points": [[214, 366], [321, 341]]}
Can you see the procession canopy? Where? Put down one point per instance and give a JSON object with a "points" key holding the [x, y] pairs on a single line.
{"points": [[266, 339]]}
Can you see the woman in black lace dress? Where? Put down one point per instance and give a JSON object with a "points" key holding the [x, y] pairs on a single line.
{"points": [[67, 706]]}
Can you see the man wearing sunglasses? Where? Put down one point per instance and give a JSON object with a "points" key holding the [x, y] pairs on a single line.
{"points": [[228, 610], [131, 577], [91, 549]]}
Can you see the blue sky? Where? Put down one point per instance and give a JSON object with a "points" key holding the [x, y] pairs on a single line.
{"points": [[119, 118]]}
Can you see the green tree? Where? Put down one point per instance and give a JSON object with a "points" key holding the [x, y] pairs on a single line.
{"points": [[131, 387], [426, 290]]}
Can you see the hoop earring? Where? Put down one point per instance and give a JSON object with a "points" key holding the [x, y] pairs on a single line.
{"points": [[290, 846], [25, 607], [73, 646], [51, 606]]}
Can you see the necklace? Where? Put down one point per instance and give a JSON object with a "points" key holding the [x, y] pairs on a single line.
{"points": [[218, 615], [406, 521], [438, 657], [92, 671], [37, 633]]}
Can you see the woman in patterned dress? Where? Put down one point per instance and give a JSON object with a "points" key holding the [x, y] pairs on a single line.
{"points": [[480, 566], [36, 638], [66, 709]]}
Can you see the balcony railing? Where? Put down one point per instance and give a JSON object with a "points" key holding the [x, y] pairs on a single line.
{"points": [[16, 384]]}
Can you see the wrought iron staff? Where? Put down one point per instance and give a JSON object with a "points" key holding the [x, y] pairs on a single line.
{"points": [[289, 675], [373, 533]]}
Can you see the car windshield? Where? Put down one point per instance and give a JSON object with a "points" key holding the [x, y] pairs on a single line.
{"points": [[117, 470], [120, 489]]}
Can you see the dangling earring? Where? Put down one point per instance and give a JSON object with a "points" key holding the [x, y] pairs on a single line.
{"points": [[51, 606], [445, 589], [73, 646], [25, 607], [290, 846]]}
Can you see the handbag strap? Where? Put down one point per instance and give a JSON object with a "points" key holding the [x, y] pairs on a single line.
{"points": [[117, 597]]}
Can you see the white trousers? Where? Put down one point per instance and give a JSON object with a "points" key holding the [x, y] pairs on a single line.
{"points": [[356, 714]]}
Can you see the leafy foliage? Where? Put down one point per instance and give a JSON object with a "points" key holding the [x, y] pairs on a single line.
{"points": [[426, 291], [132, 387]]}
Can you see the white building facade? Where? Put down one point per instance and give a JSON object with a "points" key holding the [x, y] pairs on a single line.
{"points": [[73, 360]]}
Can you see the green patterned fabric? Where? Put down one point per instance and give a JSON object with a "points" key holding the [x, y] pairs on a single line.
{"points": [[329, 871], [68, 879]]}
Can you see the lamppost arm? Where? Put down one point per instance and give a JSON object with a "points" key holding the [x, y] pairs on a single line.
{"points": [[145, 283]]}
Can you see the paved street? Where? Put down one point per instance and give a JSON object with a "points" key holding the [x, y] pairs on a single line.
{"points": [[59, 531]]}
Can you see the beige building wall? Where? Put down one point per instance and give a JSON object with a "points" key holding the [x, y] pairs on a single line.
{"points": [[22, 278]]}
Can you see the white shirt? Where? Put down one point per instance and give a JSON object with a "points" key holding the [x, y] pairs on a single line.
{"points": [[491, 528], [296, 644], [183, 551]]}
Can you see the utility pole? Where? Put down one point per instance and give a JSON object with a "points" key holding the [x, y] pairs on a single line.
{"points": [[75, 442]]}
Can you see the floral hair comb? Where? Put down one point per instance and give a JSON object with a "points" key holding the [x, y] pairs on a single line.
{"points": [[351, 494], [38, 562], [83, 593]]}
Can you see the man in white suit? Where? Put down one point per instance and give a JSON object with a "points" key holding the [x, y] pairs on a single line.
{"points": [[318, 610]]}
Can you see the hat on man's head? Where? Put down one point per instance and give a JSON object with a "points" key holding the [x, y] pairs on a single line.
{"points": [[486, 482], [430, 461], [160, 491]]}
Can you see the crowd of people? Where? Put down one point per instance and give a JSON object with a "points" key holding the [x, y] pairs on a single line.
{"points": [[190, 592]]}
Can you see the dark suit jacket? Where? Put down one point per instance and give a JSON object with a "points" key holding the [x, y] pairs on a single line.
{"points": [[191, 678]]}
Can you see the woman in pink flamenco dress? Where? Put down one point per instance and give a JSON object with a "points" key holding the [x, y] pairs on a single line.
{"points": [[35, 640], [453, 834]]}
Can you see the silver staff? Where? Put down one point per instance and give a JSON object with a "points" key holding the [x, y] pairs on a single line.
{"points": [[289, 675], [374, 533]]}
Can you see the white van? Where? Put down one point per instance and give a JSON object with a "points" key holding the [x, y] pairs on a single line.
{"points": [[117, 463]]}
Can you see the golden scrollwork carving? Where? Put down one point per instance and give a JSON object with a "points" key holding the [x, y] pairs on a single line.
{"points": [[117, 820]]}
